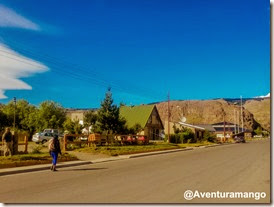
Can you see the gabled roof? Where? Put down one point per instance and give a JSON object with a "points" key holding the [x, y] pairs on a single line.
{"points": [[136, 114]]}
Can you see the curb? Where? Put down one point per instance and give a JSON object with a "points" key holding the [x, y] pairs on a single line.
{"points": [[217, 145], [159, 152], [33, 168], [122, 157]]}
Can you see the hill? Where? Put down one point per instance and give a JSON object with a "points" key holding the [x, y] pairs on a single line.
{"points": [[205, 112], [261, 111]]}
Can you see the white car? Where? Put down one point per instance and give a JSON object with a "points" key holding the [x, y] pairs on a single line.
{"points": [[42, 137]]}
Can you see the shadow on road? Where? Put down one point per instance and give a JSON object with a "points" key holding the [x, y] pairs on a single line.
{"points": [[83, 169]]}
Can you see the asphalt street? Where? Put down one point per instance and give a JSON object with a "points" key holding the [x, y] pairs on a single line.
{"points": [[153, 179]]}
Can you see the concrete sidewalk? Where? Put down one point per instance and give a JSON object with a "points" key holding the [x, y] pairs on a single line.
{"points": [[32, 168]]}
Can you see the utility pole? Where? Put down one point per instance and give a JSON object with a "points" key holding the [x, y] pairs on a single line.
{"points": [[242, 118], [168, 117], [235, 122], [224, 125], [238, 121], [14, 101]]}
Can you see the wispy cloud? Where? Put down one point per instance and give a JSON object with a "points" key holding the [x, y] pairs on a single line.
{"points": [[9, 18], [14, 66]]}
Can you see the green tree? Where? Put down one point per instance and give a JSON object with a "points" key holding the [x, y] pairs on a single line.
{"points": [[258, 131], [176, 130], [209, 136], [3, 120], [50, 115], [135, 129], [22, 114], [108, 117], [90, 118], [73, 126]]}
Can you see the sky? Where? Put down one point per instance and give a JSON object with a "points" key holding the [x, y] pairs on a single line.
{"points": [[71, 51]]}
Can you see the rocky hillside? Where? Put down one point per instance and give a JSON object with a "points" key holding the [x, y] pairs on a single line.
{"points": [[261, 111], [205, 112]]}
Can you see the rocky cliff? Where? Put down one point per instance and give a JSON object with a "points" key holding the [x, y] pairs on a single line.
{"points": [[261, 111], [206, 112]]}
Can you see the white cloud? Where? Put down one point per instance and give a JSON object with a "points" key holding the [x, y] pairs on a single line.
{"points": [[14, 66], [266, 96], [9, 18]]}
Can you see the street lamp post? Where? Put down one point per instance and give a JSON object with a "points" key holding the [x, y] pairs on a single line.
{"points": [[14, 101]]}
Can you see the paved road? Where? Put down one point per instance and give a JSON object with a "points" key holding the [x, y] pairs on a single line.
{"points": [[155, 179]]}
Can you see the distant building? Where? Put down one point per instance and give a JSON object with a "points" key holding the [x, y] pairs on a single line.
{"points": [[207, 127], [224, 127], [230, 129], [196, 129], [147, 117], [75, 114]]}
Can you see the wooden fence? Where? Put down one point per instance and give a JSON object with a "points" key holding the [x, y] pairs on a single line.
{"points": [[17, 141], [99, 139], [79, 139]]}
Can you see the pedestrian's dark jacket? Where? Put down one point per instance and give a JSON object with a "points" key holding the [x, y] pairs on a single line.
{"points": [[56, 146], [7, 137]]}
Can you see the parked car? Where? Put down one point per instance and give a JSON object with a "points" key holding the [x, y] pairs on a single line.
{"points": [[46, 135], [239, 139], [54, 131], [42, 137]]}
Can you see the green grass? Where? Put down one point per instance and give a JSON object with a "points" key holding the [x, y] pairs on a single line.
{"points": [[129, 149], [255, 139], [31, 159], [197, 144]]}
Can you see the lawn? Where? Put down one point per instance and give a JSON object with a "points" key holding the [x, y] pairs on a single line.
{"points": [[197, 144], [131, 149], [31, 159], [128, 149]]}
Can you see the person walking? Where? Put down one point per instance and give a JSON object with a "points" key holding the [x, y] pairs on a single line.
{"points": [[54, 150], [7, 141]]}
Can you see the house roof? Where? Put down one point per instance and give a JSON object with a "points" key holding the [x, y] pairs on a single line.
{"points": [[191, 126], [232, 129], [136, 114], [222, 123], [207, 127]]}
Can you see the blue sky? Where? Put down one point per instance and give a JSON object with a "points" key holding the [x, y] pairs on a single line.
{"points": [[71, 51]]}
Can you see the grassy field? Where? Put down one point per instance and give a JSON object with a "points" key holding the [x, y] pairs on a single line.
{"points": [[129, 149], [31, 159], [198, 144]]}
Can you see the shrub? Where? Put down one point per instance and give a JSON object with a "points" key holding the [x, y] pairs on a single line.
{"points": [[37, 149], [209, 137]]}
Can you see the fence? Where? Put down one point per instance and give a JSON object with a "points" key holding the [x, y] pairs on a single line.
{"points": [[18, 140], [79, 139], [99, 139]]}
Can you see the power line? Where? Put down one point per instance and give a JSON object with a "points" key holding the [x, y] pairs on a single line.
{"points": [[70, 74], [88, 72]]}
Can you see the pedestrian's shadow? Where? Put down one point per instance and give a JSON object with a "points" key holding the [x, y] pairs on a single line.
{"points": [[83, 169]]}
